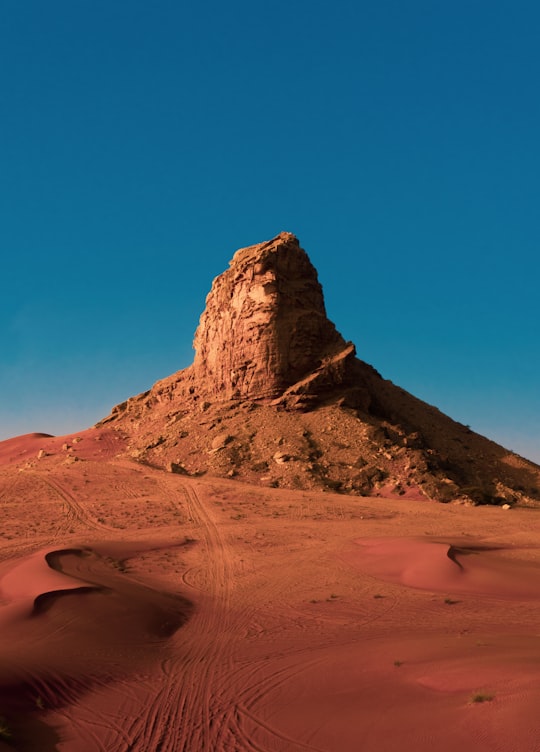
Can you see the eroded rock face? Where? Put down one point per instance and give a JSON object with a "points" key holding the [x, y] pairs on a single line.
{"points": [[264, 327]]}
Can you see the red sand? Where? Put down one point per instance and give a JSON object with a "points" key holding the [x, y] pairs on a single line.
{"points": [[145, 611], [93, 443], [449, 567]]}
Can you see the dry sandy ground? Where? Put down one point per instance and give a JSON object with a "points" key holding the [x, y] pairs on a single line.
{"points": [[146, 611]]}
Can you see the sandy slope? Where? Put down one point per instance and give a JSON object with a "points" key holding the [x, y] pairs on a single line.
{"points": [[144, 611]]}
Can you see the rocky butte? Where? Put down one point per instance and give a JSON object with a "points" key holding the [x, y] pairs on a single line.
{"points": [[276, 396], [265, 325]]}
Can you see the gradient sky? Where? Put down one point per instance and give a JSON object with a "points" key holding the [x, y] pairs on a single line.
{"points": [[143, 143]]}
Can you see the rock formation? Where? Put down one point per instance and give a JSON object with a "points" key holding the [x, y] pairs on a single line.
{"points": [[265, 325], [276, 396]]}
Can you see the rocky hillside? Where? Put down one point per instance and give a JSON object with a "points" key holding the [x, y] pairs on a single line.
{"points": [[276, 396]]}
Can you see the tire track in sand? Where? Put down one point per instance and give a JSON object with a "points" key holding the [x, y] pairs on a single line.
{"points": [[191, 702], [212, 711], [189, 712], [74, 510]]}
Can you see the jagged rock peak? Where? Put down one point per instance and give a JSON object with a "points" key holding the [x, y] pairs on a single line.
{"points": [[264, 327]]}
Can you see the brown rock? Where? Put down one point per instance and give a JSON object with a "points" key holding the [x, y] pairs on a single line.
{"points": [[264, 327], [221, 441], [281, 457]]}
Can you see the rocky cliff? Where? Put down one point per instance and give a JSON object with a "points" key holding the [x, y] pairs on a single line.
{"points": [[276, 396], [265, 325]]}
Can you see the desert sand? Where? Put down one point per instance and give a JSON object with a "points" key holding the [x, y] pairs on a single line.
{"points": [[143, 610]]}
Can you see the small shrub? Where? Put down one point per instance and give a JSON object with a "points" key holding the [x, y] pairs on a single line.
{"points": [[481, 697]]}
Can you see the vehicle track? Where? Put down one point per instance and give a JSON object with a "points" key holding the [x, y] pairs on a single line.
{"points": [[212, 715], [197, 699], [186, 713], [9, 483], [73, 509], [17, 547]]}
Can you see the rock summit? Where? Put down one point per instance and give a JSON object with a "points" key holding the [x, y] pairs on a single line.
{"points": [[265, 327]]}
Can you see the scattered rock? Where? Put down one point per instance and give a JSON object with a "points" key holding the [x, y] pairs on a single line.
{"points": [[177, 467], [221, 441]]}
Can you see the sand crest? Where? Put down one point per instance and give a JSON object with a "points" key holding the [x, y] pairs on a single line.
{"points": [[458, 567], [71, 622]]}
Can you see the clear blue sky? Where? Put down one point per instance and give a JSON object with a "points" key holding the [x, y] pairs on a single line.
{"points": [[142, 143]]}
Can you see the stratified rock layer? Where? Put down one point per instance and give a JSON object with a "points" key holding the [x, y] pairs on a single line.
{"points": [[264, 327]]}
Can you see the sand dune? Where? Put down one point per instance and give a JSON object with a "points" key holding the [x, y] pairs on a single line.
{"points": [[145, 611], [31, 577], [70, 622], [92, 443], [459, 567]]}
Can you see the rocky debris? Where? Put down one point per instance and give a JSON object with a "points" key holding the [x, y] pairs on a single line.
{"points": [[281, 457], [221, 441], [272, 371], [177, 467]]}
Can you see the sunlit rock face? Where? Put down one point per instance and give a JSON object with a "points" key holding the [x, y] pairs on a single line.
{"points": [[264, 327]]}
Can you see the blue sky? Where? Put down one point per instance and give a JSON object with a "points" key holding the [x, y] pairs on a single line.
{"points": [[142, 143]]}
